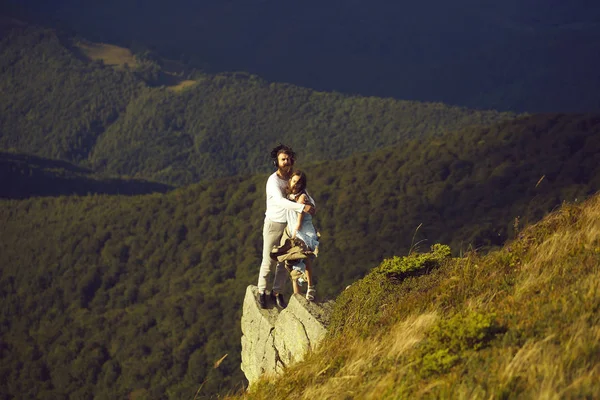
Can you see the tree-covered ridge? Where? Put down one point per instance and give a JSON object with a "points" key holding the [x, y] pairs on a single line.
{"points": [[107, 295], [56, 104], [23, 176], [110, 294], [468, 189], [222, 125]]}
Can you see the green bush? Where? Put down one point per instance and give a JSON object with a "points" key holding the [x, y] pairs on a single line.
{"points": [[451, 338], [400, 267], [360, 308]]}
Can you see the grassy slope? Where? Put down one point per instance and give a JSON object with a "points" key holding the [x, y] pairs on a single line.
{"points": [[519, 322]]}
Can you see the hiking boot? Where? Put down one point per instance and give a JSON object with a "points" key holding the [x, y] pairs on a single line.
{"points": [[262, 300], [279, 300]]}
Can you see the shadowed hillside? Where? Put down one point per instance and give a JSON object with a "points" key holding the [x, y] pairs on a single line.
{"points": [[470, 190], [110, 296], [23, 176]]}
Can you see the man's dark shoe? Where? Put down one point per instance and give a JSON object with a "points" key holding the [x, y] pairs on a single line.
{"points": [[278, 298], [262, 300]]}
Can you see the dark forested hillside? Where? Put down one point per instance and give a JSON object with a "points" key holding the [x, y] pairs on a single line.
{"points": [[471, 190], [104, 296], [110, 296], [54, 104], [519, 55], [57, 104], [23, 176], [226, 125]]}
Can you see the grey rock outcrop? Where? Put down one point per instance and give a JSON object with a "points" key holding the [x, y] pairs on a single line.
{"points": [[273, 339]]}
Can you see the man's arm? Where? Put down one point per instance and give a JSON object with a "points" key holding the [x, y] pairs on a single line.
{"points": [[307, 200], [274, 193]]}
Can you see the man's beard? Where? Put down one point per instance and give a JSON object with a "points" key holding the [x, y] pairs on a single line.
{"points": [[285, 170]]}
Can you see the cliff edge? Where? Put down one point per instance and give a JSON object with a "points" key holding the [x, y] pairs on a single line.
{"points": [[273, 339]]}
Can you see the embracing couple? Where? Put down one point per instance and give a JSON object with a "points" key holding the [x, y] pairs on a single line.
{"points": [[288, 205]]}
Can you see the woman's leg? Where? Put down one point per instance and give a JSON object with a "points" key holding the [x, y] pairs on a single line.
{"points": [[308, 271], [295, 286], [311, 291]]}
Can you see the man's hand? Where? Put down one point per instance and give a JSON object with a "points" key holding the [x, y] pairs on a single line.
{"points": [[309, 209]]}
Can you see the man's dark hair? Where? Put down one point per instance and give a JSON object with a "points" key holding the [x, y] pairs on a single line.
{"points": [[282, 148]]}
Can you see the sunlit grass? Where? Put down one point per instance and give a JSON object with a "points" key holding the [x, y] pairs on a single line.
{"points": [[182, 85], [118, 57], [520, 322], [109, 54]]}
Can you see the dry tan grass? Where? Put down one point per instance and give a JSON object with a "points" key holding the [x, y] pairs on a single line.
{"points": [[546, 260], [542, 364], [362, 357], [407, 334], [550, 367], [109, 54], [367, 355], [530, 354], [118, 57]]}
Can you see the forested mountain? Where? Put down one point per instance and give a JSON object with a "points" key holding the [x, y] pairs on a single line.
{"points": [[57, 104], [53, 104], [514, 55], [23, 176], [114, 296]]}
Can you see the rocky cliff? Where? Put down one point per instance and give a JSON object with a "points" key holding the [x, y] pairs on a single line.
{"points": [[273, 339]]}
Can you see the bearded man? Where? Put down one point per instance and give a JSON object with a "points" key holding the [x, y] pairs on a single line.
{"points": [[275, 222]]}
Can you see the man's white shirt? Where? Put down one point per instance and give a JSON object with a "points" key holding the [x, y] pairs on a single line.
{"points": [[277, 204]]}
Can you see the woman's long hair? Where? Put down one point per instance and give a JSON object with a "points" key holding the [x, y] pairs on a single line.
{"points": [[300, 185]]}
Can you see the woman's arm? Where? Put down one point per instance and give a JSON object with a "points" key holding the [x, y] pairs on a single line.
{"points": [[299, 223], [302, 199]]}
